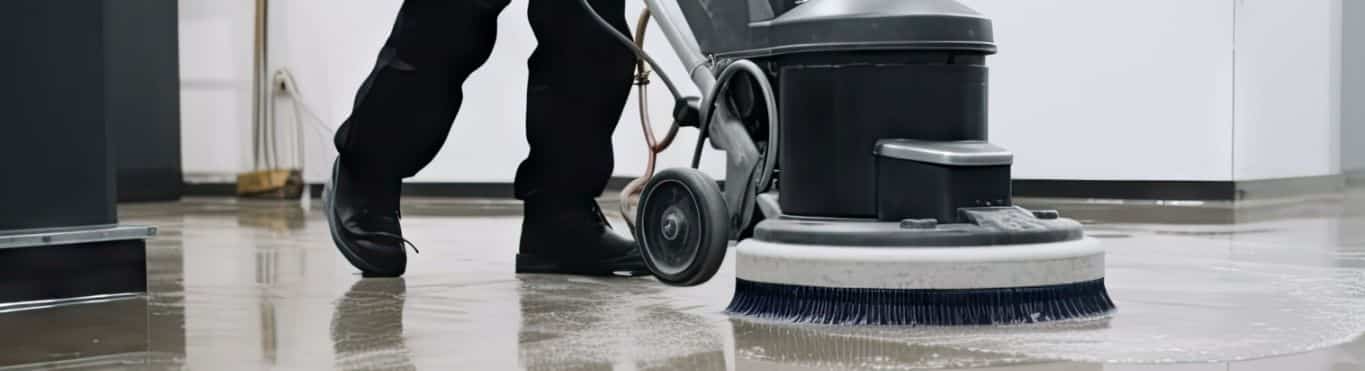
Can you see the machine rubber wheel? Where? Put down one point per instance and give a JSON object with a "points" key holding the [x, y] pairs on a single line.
{"points": [[683, 227]]}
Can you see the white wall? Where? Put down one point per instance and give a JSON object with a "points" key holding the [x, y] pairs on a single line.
{"points": [[330, 46], [215, 94], [1102, 90], [1287, 89], [1113, 90]]}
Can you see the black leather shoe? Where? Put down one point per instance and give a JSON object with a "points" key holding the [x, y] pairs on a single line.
{"points": [[573, 237], [364, 224]]}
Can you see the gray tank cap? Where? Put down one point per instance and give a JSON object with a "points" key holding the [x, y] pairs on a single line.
{"points": [[959, 153]]}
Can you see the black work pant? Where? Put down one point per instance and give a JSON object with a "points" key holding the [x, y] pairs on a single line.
{"points": [[579, 81]]}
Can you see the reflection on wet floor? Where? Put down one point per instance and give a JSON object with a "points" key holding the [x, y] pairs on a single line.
{"points": [[236, 285]]}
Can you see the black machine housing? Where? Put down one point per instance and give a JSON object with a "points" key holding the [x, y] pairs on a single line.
{"points": [[853, 77]]}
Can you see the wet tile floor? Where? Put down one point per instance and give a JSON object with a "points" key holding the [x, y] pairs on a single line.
{"points": [[1266, 285]]}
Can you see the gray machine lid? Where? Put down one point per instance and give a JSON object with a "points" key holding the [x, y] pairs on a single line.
{"points": [[818, 10], [992, 226], [956, 153], [831, 25]]}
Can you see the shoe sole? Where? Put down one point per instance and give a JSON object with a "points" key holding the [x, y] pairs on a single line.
{"points": [[530, 264], [366, 269]]}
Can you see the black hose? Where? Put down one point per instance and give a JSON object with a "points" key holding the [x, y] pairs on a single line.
{"points": [[673, 89], [709, 106], [640, 53]]}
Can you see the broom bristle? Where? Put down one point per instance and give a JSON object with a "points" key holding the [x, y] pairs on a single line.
{"points": [[920, 307]]}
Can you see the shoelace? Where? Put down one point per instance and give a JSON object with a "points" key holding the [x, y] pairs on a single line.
{"points": [[388, 235]]}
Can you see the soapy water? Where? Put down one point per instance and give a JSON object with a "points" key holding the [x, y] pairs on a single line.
{"points": [[1186, 293], [1180, 300]]}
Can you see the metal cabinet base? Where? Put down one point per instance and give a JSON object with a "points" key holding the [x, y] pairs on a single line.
{"points": [[45, 268]]}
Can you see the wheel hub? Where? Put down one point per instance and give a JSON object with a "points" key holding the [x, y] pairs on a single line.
{"points": [[673, 223]]}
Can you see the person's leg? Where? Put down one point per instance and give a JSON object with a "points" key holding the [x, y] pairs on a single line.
{"points": [[580, 79], [405, 108], [401, 117]]}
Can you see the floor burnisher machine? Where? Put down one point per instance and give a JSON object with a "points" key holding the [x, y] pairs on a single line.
{"points": [[859, 181]]}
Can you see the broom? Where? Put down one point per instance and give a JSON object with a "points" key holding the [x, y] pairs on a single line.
{"points": [[267, 179]]}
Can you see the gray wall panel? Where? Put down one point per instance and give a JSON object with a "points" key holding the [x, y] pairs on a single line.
{"points": [[1353, 88]]}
